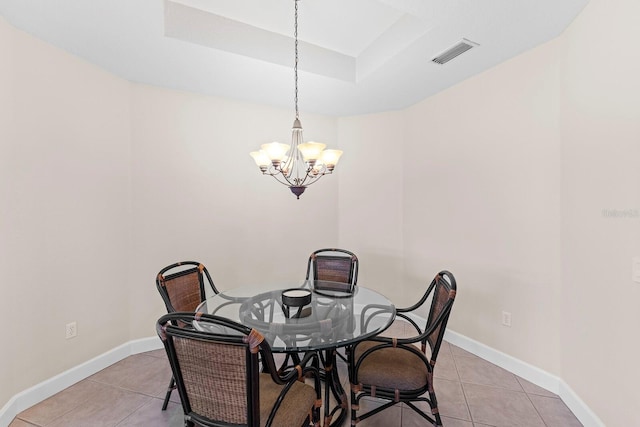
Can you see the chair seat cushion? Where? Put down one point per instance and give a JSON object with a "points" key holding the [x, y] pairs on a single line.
{"points": [[391, 368], [294, 408]]}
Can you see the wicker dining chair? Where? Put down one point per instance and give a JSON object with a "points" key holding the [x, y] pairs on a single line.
{"points": [[334, 265], [395, 369], [216, 365], [339, 267], [182, 287]]}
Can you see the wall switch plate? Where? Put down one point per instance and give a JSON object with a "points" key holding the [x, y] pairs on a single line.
{"points": [[636, 269]]}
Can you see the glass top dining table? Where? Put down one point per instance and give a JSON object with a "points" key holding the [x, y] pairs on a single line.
{"points": [[333, 317], [327, 318]]}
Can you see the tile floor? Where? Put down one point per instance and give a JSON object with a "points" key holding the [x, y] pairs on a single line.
{"points": [[471, 393]]}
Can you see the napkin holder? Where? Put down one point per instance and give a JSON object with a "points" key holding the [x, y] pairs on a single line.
{"points": [[296, 298]]}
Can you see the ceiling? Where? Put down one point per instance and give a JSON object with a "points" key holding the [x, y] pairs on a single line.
{"points": [[355, 56]]}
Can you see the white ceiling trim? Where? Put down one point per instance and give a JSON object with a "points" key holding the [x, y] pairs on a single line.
{"points": [[356, 56], [218, 32]]}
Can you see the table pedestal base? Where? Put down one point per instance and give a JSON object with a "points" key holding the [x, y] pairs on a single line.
{"points": [[332, 385]]}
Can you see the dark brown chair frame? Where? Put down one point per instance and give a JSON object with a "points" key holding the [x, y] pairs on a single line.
{"points": [[187, 303], [222, 331], [334, 268], [198, 268], [442, 290], [322, 266]]}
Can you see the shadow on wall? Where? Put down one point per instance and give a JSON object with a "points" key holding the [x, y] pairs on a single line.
{"points": [[384, 273]]}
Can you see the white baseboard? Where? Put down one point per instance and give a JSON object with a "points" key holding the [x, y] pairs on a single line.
{"points": [[530, 373], [56, 384], [48, 388], [587, 417], [522, 369]]}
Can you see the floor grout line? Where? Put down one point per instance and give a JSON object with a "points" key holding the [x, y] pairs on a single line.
{"points": [[402, 418], [464, 394]]}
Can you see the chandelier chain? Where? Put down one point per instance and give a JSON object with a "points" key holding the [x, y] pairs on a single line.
{"points": [[295, 68]]}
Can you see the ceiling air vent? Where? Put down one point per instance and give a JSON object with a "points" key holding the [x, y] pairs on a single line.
{"points": [[455, 50]]}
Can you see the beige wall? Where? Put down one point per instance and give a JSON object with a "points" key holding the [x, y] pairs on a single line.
{"points": [[66, 213], [105, 182], [600, 165], [482, 199], [370, 205], [198, 195], [470, 183], [6, 135], [504, 179]]}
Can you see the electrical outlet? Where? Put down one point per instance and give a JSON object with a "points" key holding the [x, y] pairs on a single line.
{"points": [[506, 318], [71, 330]]}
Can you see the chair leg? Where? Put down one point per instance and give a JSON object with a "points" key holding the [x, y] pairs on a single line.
{"points": [[172, 385], [354, 405], [433, 402]]}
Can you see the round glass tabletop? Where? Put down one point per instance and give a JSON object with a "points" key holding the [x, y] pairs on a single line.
{"points": [[335, 316]]}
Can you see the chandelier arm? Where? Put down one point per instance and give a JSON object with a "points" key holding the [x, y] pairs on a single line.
{"points": [[282, 179], [306, 180], [311, 178], [278, 174]]}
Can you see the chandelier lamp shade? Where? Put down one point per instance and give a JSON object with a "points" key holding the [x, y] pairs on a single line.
{"points": [[298, 164]]}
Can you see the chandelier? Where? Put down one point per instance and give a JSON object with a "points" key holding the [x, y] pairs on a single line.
{"points": [[299, 164]]}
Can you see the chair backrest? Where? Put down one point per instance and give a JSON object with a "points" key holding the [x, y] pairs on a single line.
{"points": [[334, 265], [443, 292], [217, 371], [181, 285]]}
